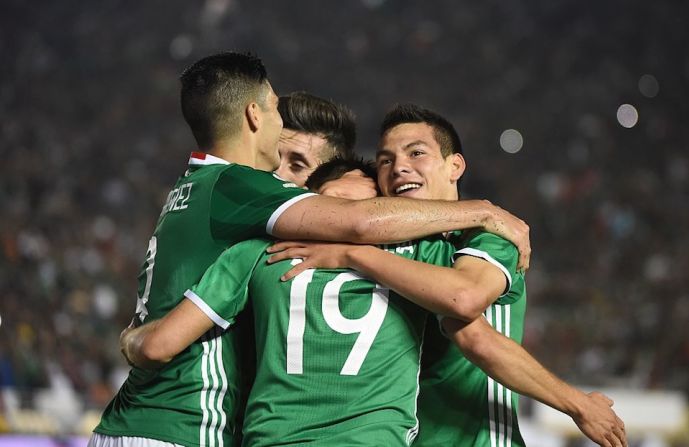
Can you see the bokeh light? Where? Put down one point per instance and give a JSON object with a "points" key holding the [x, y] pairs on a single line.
{"points": [[648, 86], [181, 47], [511, 141], [627, 116]]}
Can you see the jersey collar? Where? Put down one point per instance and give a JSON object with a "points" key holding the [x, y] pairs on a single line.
{"points": [[203, 159]]}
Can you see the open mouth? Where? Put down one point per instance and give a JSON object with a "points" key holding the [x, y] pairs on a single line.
{"points": [[407, 187]]}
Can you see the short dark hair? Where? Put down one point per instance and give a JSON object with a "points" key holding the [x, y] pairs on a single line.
{"points": [[311, 114], [336, 168], [215, 91], [443, 130]]}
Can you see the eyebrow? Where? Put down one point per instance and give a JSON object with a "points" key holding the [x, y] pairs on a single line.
{"points": [[406, 146], [383, 152]]}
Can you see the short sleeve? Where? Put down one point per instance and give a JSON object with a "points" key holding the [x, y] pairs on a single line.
{"points": [[494, 249], [222, 292], [246, 203]]}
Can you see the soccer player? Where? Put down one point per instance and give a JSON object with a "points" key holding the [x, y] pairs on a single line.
{"points": [[224, 197], [314, 131], [338, 355], [460, 405], [302, 323]]}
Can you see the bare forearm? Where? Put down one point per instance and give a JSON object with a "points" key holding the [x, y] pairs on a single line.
{"points": [[510, 364], [395, 220], [378, 220], [439, 289], [156, 343]]}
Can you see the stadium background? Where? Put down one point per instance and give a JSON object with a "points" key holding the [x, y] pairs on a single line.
{"points": [[574, 116]]}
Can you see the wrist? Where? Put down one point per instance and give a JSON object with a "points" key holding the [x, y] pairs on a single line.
{"points": [[356, 256], [486, 214], [574, 403]]}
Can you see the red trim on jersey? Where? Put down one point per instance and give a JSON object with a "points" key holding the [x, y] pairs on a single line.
{"points": [[203, 159]]}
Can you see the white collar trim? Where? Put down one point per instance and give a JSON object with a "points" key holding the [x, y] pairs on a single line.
{"points": [[202, 159]]}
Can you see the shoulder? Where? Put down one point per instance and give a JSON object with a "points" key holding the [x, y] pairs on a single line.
{"points": [[485, 241], [238, 178], [255, 246], [241, 171]]}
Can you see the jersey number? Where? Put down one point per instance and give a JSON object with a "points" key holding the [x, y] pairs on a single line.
{"points": [[367, 326], [141, 300]]}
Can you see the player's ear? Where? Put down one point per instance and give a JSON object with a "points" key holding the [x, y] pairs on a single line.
{"points": [[253, 116], [457, 166]]}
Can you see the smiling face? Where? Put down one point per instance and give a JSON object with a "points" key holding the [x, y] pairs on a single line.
{"points": [[410, 164], [300, 153]]}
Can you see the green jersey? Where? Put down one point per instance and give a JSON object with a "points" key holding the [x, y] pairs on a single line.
{"points": [[337, 354], [459, 405], [192, 400]]}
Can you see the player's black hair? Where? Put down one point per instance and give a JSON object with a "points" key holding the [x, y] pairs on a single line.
{"points": [[216, 90], [307, 113], [443, 130], [336, 168]]}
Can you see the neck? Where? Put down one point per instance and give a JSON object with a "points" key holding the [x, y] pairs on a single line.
{"points": [[241, 151]]}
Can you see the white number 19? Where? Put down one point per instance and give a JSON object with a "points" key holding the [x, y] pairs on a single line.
{"points": [[367, 326]]}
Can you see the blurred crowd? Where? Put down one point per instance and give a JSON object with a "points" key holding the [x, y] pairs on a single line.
{"points": [[92, 138]]}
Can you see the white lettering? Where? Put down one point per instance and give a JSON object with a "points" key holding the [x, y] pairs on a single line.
{"points": [[178, 199]]}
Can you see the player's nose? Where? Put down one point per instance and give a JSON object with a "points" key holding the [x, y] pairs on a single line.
{"points": [[400, 167]]}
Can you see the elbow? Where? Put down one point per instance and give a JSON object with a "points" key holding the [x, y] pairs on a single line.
{"points": [[363, 230], [474, 343], [465, 305], [153, 351]]}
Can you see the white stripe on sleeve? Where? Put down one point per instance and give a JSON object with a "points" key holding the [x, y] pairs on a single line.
{"points": [[206, 309], [485, 256], [282, 208]]}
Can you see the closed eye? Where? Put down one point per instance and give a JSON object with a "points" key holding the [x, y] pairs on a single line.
{"points": [[298, 166]]}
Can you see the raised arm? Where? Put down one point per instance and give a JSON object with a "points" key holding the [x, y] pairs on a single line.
{"points": [[152, 345], [462, 291], [510, 364], [389, 220]]}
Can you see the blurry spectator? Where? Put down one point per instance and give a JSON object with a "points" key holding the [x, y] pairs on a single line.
{"points": [[91, 137]]}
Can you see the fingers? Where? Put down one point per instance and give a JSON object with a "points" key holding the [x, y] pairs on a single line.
{"points": [[123, 345], [525, 253], [524, 257], [126, 330], [614, 441], [283, 245], [620, 436], [294, 271], [523, 264], [289, 253], [620, 432]]}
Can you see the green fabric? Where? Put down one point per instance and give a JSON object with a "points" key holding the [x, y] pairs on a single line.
{"points": [[193, 400], [342, 368], [458, 404]]}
